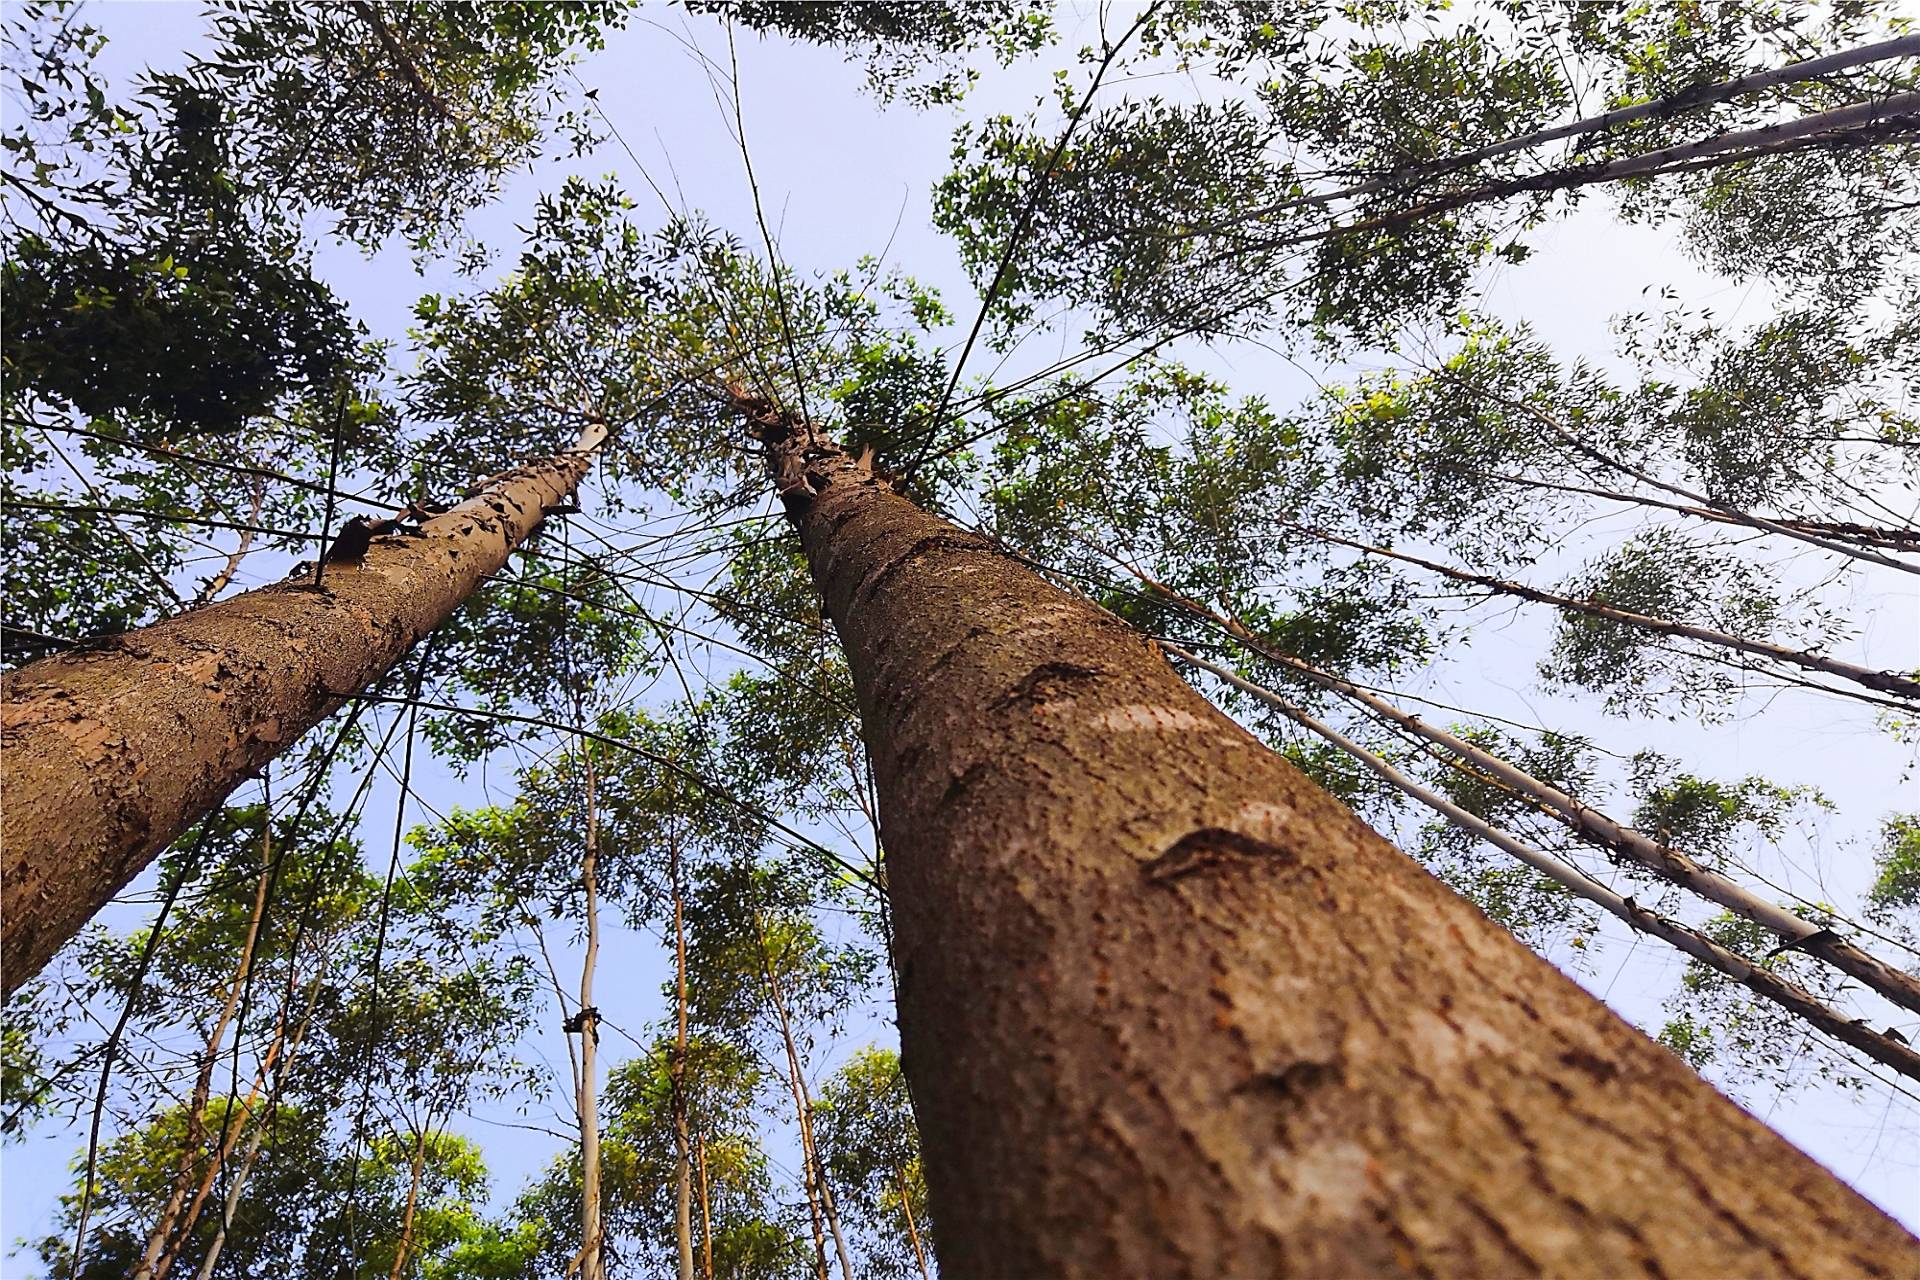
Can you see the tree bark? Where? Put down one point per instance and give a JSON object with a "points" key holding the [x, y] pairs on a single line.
{"points": [[1171, 1010], [110, 751], [1576, 815], [1890, 1051]]}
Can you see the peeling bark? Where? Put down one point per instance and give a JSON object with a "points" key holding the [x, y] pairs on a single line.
{"points": [[1170, 1010], [109, 751]]}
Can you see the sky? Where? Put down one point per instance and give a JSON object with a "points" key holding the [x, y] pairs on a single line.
{"points": [[843, 177]]}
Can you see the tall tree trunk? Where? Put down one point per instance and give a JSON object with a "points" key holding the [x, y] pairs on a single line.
{"points": [[913, 1229], [592, 1253], [415, 1168], [682, 1157], [195, 1138], [802, 1104], [111, 750], [245, 1168], [706, 1209], [1169, 1009]]}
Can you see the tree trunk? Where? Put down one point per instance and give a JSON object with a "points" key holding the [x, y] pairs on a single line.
{"points": [[592, 1255], [706, 1209], [913, 1229], [195, 1137], [110, 751], [682, 1157], [415, 1168], [803, 1108], [1171, 1010]]}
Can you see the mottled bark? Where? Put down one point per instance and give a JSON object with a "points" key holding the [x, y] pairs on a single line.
{"points": [[1171, 1010], [110, 751], [1888, 1050]]}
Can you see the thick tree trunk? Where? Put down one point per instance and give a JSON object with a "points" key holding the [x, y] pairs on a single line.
{"points": [[1171, 1010], [110, 751]]}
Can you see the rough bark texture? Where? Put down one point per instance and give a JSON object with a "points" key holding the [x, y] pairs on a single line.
{"points": [[1171, 1010], [110, 751]]}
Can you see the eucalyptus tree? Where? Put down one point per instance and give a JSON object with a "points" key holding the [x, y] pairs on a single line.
{"points": [[871, 1148], [289, 1220], [1009, 741], [399, 118], [158, 285], [1350, 170], [765, 978], [342, 989], [916, 51], [741, 1228], [1097, 882]]}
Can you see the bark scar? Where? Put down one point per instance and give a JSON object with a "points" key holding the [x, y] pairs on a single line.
{"points": [[1047, 681], [1211, 849], [1293, 1082]]}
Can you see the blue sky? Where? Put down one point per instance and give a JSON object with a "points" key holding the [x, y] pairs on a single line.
{"points": [[843, 177]]}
